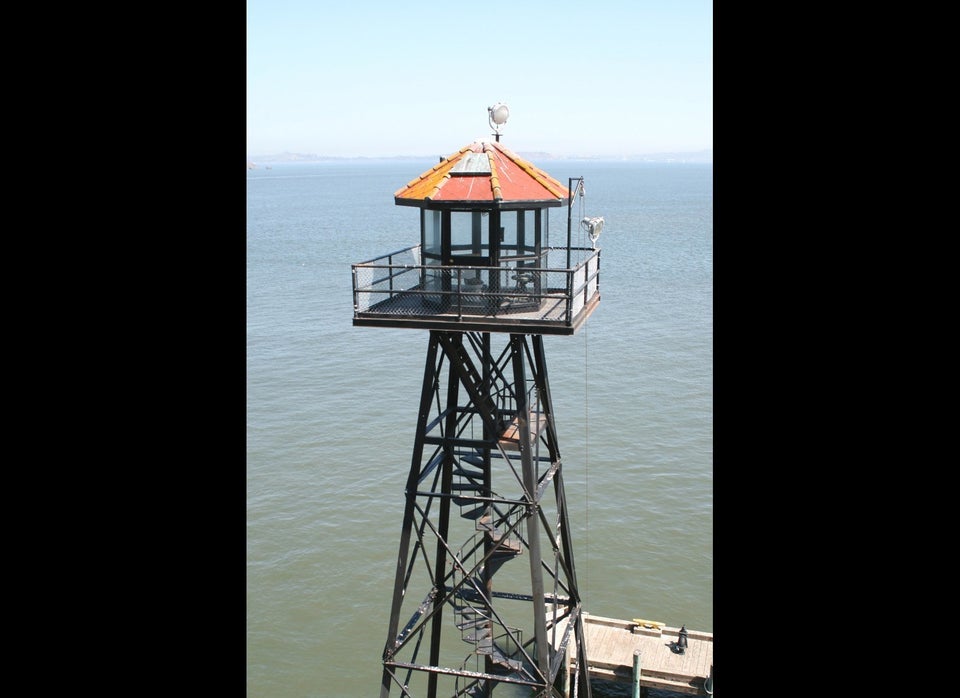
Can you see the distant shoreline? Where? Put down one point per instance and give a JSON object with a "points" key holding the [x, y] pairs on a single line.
{"points": [[699, 156]]}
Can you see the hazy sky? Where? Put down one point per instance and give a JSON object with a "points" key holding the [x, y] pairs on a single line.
{"points": [[386, 77]]}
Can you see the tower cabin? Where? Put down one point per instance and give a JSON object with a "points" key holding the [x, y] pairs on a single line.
{"points": [[487, 259]]}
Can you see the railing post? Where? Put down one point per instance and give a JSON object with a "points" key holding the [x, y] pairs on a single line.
{"points": [[586, 283], [356, 297], [390, 276], [636, 674], [459, 293]]}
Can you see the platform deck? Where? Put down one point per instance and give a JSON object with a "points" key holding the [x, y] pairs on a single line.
{"points": [[610, 646]]}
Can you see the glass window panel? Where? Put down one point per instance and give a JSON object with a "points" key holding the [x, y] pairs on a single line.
{"points": [[431, 233]]}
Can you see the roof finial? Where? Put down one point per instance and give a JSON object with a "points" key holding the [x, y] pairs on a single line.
{"points": [[498, 115]]}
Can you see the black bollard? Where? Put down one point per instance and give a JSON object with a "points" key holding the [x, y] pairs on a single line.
{"points": [[682, 640]]}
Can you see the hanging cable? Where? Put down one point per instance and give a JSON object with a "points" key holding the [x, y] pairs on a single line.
{"points": [[586, 409], [586, 454]]}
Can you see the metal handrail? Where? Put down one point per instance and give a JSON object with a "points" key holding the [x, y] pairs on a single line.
{"points": [[384, 277]]}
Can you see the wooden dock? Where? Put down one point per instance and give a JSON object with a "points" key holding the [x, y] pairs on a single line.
{"points": [[611, 644]]}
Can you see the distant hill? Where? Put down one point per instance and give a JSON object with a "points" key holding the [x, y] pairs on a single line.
{"points": [[699, 156], [308, 157]]}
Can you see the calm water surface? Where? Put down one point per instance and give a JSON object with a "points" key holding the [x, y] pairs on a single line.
{"points": [[331, 413]]}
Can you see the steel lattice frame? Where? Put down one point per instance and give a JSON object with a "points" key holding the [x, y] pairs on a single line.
{"points": [[477, 500]]}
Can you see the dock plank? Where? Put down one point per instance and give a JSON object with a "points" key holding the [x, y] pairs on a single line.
{"points": [[610, 645]]}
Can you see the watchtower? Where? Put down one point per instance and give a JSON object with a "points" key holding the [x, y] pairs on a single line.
{"points": [[485, 593]]}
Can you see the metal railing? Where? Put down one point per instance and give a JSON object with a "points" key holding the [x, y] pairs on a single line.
{"points": [[398, 284]]}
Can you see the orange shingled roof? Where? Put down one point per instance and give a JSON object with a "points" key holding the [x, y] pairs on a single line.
{"points": [[468, 176]]}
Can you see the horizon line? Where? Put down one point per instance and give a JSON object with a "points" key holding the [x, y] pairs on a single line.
{"points": [[287, 156]]}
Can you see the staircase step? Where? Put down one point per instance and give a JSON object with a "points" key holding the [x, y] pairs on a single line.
{"points": [[472, 459], [466, 610], [481, 638], [472, 624], [510, 438], [470, 513], [509, 546], [487, 647], [469, 594], [504, 661]]}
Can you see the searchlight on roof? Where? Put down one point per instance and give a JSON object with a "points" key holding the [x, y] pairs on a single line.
{"points": [[498, 115]]}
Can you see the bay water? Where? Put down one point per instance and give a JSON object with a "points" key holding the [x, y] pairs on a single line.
{"points": [[331, 412]]}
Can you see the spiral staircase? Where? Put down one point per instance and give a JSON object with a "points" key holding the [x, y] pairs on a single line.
{"points": [[485, 420]]}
